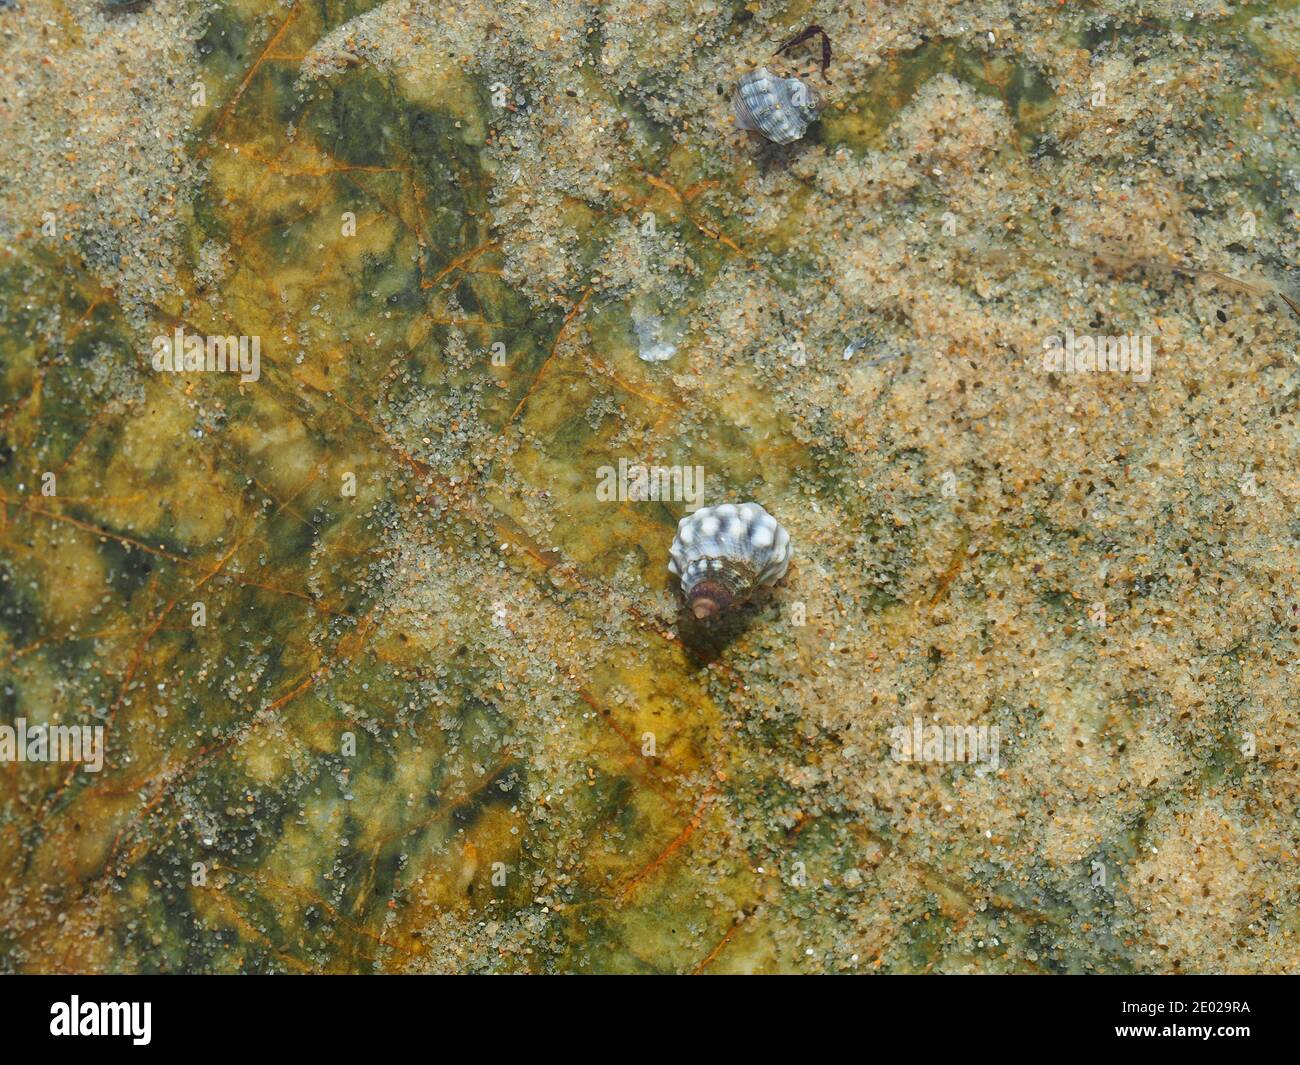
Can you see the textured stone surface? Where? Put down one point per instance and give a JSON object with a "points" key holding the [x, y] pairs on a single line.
{"points": [[507, 647]]}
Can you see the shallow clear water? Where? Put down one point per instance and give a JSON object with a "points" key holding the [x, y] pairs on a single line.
{"points": [[388, 682]]}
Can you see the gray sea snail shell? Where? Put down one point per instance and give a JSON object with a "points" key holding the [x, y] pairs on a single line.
{"points": [[723, 554], [778, 108]]}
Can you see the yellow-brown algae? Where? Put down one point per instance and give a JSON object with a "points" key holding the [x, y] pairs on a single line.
{"points": [[441, 713]]}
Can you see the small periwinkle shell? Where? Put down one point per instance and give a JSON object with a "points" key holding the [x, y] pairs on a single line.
{"points": [[778, 108], [723, 554]]}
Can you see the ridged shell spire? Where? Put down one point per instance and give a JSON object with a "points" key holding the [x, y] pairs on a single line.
{"points": [[723, 554], [778, 108]]}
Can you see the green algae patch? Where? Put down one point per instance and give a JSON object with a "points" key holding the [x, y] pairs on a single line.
{"points": [[390, 682]]}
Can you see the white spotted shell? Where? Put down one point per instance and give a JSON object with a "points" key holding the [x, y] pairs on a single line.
{"points": [[778, 108], [723, 554]]}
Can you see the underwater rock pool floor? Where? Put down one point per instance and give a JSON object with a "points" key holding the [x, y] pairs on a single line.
{"points": [[387, 681]]}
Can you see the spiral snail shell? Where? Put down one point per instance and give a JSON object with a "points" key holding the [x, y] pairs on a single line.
{"points": [[723, 554], [778, 108]]}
